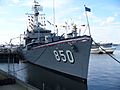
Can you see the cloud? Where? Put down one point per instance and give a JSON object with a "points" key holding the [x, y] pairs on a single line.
{"points": [[110, 20], [2, 21], [19, 2], [3, 12], [27, 3], [107, 21], [15, 1], [57, 3], [44, 3]]}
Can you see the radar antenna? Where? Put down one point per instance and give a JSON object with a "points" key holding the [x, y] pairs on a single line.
{"points": [[33, 18]]}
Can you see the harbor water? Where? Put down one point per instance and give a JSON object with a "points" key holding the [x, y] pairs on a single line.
{"points": [[104, 74]]}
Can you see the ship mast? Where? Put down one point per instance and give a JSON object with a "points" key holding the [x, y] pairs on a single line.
{"points": [[36, 7], [54, 15]]}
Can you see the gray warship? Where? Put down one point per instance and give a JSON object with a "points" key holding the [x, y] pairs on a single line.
{"points": [[68, 56]]}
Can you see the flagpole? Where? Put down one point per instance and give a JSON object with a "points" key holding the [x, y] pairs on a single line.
{"points": [[87, 20], [54, 15]]}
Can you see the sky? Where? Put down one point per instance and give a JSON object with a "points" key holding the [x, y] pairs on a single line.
{"points": [[104, 18]]}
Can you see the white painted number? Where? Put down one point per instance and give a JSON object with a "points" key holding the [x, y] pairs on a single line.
{"points": [[56, 55], [70, 56], [64, 56]]}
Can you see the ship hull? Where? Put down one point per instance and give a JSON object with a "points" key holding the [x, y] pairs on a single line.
{"points": [[52, 79], [69, 56]]}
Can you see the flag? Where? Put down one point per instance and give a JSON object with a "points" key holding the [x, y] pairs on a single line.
{"points": [[87, 9]]}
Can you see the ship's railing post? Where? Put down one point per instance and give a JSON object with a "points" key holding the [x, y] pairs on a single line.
{"points": [[14, 73], [8, 64]]}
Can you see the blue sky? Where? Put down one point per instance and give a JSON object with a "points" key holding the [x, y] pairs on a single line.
{"points": [[104, 17]]}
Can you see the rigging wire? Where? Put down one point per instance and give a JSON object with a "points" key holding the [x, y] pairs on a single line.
{"points": [[107, 53], [85, 30]]}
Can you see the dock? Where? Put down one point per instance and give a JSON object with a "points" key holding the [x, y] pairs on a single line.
{"points": [[9, 54], [8, 80]]}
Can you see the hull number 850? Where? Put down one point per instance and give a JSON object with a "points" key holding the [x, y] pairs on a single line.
{"points": [[64, 56]]}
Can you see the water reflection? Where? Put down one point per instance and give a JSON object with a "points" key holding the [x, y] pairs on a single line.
{"points": [[43, 78]]}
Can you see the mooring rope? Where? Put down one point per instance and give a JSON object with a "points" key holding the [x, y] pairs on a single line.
{"points": [[107, 53], [46, 48]]}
